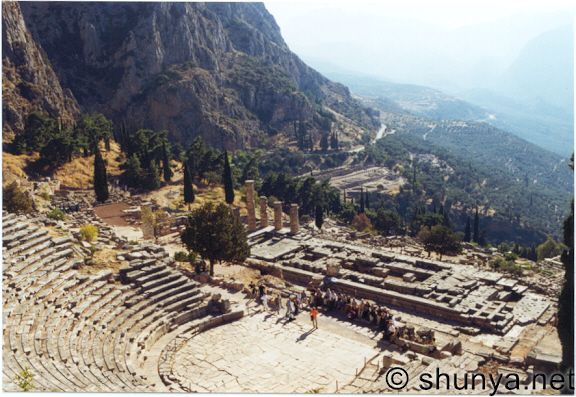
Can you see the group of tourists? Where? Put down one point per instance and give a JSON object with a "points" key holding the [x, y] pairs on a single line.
{"points": [[357, 310], [293, 305], [352, 308]]}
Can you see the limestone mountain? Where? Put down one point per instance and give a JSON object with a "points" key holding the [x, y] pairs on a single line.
{"points": [[28, 83], [220, 70]]}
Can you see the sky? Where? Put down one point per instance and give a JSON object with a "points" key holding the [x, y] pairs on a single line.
{"points": [[447, 44]]}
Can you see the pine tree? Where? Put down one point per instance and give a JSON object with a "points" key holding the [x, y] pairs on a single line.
{"points": [[476, 235], [153, 180], [227, 179], [133, 175], [188, 187], [100, 177], [319, 217], [467, 231], [216, 234], [166, 170]]}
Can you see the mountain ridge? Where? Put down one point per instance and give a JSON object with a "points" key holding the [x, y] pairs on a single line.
{"points": [[220, 70], [217, 70]]}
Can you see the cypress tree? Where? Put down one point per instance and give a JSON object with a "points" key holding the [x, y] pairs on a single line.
{"points": [[334, 141], [467, 231], [100, 177], [367, 200], [188, 187], [166, 170], [476, 235], [362, 203], [319, 217], [324, 144], [565, 314], [301, 135], [445, 216], [227, 179]]}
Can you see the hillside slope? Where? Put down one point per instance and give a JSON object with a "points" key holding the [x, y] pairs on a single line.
{"points": [[220, 70], [471, 164], [28, 83]]}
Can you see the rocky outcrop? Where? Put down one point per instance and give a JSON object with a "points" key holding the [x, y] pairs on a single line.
{"points": [[217, 69], [29, 84]]}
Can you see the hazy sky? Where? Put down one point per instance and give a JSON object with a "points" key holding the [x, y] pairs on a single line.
{"points": [[443, 43]]}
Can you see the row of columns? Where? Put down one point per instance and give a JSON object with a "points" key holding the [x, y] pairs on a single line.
{"points": [[250, 207]]}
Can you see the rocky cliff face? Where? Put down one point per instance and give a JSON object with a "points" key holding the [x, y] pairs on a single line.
{"points": [[29, 84], [221, 70]]}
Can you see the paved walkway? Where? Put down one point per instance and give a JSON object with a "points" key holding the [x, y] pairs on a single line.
{"points": [[262, 353]]}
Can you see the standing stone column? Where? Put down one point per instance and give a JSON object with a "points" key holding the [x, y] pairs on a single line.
{"points": [[263, 212], [294, 221], [278, 215], [250, 205]]}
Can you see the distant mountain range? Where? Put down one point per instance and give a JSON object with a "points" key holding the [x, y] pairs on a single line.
{"points": [[543, 72], [537, 121]]}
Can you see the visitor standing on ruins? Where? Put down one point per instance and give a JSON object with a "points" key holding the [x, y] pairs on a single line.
{"points": [[290, 309], [278, 304], [264, 300], [303, 298], [294, 305], [314, 317], [261, 291]]}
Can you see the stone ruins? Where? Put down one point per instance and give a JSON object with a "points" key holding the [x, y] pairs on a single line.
{"points": [[150, 324]]}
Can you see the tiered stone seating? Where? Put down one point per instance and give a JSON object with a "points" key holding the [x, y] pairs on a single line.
{"points": [[79, 332], [171, 298]]}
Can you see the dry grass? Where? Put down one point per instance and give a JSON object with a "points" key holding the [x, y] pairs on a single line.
{"points": [[13, 167], [80, 171], [76, 174], [55, 232], [104, 260]]}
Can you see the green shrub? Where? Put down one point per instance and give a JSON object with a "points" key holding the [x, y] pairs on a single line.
{"points": [[181, 256], [507, 266], [16, 200], [56, 214], [25, 380], [88, 233]]}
